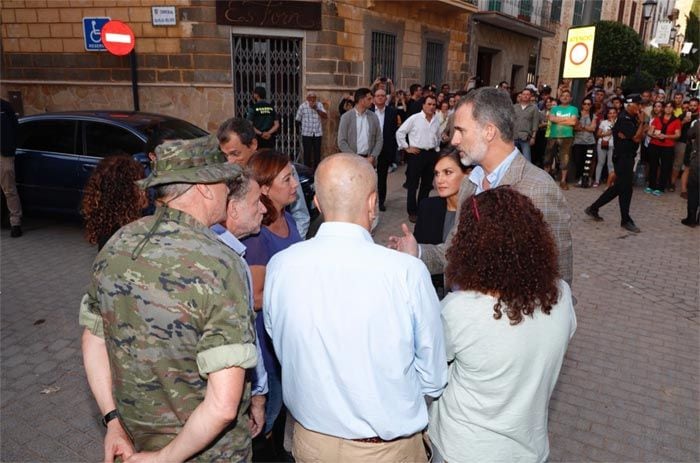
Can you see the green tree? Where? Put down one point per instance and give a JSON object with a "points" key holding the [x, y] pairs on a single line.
{"points": [[660, 62], [616, 51], [637, 82], [692, 34]]}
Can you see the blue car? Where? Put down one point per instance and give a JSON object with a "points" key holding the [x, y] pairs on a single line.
{"points": [[57, 153]]}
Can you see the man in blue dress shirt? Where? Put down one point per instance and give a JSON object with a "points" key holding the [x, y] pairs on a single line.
{"points": [[244, 213], [359, 337]]}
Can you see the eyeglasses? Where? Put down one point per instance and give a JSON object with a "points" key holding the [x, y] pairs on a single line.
{"points": [[586, 104]]}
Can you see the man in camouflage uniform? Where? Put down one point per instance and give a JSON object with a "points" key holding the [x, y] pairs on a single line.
{"points": [[168, 328]]}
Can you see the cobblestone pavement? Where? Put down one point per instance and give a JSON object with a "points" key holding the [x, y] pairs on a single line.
{"points": [[628, 391]]}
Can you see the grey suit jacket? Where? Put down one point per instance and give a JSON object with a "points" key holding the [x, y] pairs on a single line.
{"points": [[537, 185], [347, 133]]}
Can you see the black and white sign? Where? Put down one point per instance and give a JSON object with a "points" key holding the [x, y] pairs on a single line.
{"points": [[163, 16]]}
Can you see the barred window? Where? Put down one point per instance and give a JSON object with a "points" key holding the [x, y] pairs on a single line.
{"points": [[555, 12], [434, 55], [494, 5], [578, 13], [525, 10], [383, 56]]}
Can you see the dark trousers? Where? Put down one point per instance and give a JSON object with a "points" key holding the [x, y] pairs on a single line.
{"points": [[419, 173], [693, 198], [659, 156], [622, 188], [312, 151], [265, 144], [383, 162]]}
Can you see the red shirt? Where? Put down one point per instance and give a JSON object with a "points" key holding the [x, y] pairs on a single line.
{"points": [[671, 128]]}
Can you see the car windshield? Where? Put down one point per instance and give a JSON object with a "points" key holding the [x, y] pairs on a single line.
{"points": [[184, 130]]}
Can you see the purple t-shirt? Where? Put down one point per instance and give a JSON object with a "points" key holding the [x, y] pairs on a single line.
{"points": [[261, 247]]}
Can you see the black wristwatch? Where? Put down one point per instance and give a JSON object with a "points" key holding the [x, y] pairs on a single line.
{"points": [[109, 417]]}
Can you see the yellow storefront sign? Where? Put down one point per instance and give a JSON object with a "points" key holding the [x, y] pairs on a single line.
{"points": [[579, 52]]}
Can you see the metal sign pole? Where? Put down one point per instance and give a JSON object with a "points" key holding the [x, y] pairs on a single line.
{"points": [[134, 80]]}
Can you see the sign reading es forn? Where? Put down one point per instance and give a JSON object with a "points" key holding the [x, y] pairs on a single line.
{"points": [[118, 38]]}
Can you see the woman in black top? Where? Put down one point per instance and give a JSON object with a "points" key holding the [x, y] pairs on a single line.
{"points": [[436, 214]]}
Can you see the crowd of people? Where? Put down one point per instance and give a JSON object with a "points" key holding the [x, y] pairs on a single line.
{"points": [[214, 331]]}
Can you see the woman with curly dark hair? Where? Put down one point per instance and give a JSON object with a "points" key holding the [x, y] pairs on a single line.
{"points": [[507, 326], [111, 198]]}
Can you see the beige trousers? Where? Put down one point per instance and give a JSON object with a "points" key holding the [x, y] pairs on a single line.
{"points": [[313, 447], [7, 182]]}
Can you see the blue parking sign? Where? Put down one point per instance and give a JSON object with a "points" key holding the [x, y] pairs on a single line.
{"points": [[92, 33]]}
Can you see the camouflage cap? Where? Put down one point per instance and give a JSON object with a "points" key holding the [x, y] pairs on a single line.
{"points": [[190, 161]]}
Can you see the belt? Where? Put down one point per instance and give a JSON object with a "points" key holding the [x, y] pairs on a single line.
{"points": [[375, 440]]}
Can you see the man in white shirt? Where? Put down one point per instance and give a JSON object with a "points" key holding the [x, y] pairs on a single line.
{"points": [[423, 131], [359, 131], [359, 337], [310, 114]]}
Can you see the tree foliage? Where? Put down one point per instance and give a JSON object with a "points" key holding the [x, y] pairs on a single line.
{"points": [[617, 49], [637, 83], [660, 62], [692, 34]]}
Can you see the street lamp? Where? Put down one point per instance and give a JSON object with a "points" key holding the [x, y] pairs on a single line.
{"points": [[647, 11], [648, 8], [672, 36]]}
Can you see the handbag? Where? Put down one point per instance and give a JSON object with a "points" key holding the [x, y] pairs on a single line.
{"points": [[605, 144]]}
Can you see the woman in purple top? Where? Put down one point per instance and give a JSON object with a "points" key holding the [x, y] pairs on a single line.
{"points": [[273, 171]]}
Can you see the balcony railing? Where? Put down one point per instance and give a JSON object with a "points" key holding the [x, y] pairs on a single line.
{"points": [[537, 12]]}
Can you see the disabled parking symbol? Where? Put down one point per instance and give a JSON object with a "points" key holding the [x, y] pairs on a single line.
{"points": [[92, 33]]}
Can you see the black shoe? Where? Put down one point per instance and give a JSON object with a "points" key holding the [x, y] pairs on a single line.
{"points": [[630, 226], [689, 223], [593, 213], [16, 231], [382, 207]]}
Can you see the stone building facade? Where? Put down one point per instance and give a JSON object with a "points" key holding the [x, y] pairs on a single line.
{"points": [[203, 70]]}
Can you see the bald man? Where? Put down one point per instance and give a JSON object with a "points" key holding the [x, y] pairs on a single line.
{"points": [[359, 337]]}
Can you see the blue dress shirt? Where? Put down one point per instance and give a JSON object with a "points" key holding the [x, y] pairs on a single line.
{"points": [[259, 375], [359, 337], [477, 175]]}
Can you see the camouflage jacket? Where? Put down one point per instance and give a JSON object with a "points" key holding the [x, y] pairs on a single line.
{"points": [[176, 313]]}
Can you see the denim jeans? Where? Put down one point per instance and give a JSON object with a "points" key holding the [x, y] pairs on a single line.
{"points": [[524, 147]]}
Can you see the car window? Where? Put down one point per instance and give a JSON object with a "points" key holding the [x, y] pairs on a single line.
{"points": [[182, 130], [105, 139], [53, 136]]}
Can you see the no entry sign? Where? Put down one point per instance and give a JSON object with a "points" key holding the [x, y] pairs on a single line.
{"points": [[118, 38]]}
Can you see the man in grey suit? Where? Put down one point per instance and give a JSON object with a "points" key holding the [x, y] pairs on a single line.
{"points": [[484, 121], [359, 130]]}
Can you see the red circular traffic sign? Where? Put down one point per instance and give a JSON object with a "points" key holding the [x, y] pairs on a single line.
{"points": [[118, 38]]}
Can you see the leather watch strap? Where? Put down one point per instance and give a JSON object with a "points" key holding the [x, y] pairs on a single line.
{"points": [[109, 417]]}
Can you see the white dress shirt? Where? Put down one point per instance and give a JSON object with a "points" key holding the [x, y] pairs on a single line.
{"points": [[362, 125], [380, 112], [421, 133], [359, 337]]}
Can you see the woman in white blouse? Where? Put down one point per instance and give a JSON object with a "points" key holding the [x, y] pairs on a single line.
{"points": [[507, 325]]}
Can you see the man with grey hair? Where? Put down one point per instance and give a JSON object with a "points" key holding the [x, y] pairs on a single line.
{"points": [[309, 114], [168, 327], [484, 135], [527, 121], [355, 387]]}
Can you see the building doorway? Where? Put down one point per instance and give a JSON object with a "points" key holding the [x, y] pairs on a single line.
{"points": [[275, 64], [484, 62]]}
